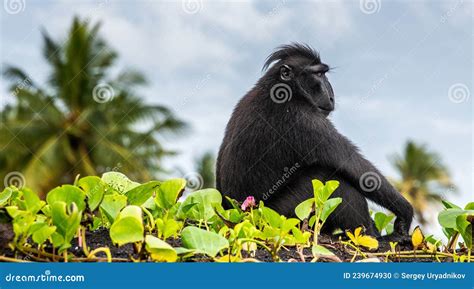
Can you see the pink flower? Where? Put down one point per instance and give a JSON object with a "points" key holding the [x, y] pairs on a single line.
{"points": [[248, 203]]}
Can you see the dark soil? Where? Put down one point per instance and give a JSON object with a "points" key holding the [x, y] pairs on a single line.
{"points": [[6, 234], [101, 238]]}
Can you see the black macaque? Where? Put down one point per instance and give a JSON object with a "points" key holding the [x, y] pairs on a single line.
{"points": [[279, 138]]}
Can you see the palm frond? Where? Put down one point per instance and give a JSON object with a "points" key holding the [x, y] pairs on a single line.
{"points": [[57, 131]]}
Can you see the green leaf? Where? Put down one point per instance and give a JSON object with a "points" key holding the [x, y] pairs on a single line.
{"points": [[46, 210], [94, 189], [112, 204], [448, 232], [57, 239], [464, 227], [67, 194], [318, 187], [301, 237], [119, 182], [447, 218], [203, 241], [204, 201], [67, 219], [21, 222], [160, 250], [168, 193], [150, 204], [5, 195], [289, 224], [389, 229], [449, 205], [140, 194], [329, 207], [319, 250], [382, 220], [36, 226], [303, 210], [13, 211], [433, 240], [128, 226], [167, 228], [328, 190], [244, 229], [42, 233], [469, 206], [32, 201], [272, 217], [270, 233], [234, 215], [312, 221], [184, 253]]}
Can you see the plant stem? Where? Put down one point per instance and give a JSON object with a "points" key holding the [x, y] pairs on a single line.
{"points": [[150, 216], [13, 260], [409, 254], [353, 257], [99, 259], [452, 242], [101, 249], [357, 250], [84, 243], [26, 250], [316, 224], [54, 254], [250, 260], [251, 217], [258, 243]]}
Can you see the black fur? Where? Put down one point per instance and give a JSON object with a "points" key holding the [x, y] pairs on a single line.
{"points": [[273, 149]]}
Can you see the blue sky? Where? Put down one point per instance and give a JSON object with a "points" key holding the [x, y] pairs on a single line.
{"points": [[403, 68]]}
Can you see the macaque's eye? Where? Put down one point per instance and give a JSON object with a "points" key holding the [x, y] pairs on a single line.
{"points": [[286, 72]]}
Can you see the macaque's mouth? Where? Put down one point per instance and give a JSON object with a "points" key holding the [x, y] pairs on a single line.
{"points": [[324, 109]]}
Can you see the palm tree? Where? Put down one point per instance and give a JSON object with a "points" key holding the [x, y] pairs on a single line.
{"points": [[423, 177], [82, 121]]}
